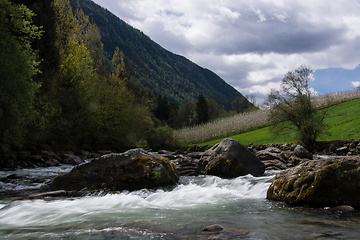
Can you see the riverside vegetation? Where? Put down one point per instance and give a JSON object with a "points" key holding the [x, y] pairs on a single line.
{"points": [[75, 75], [253, 127]]}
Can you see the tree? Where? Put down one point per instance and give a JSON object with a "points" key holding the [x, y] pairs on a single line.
{"points": [[19, 64], [252, 99], [215, 109], [119, 120], [186, 114], [162, 108], [240, 104], [202, 109], [292, 106]]}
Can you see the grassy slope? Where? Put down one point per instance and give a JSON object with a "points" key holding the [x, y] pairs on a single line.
{"points": [[343, 119]]}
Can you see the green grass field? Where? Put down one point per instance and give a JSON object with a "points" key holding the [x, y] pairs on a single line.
{"points": [[343, 120]]}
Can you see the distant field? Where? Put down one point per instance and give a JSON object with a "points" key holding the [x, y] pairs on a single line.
{"points": [[343, 119], [245, 124]]}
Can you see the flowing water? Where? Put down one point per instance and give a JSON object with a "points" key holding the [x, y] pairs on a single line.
{"points": [[180, 212]]}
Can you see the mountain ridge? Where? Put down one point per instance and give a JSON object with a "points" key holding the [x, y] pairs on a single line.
{"points": [[157, 69]]}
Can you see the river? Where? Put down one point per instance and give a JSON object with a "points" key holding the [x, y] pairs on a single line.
{"points": [[179, 212]]}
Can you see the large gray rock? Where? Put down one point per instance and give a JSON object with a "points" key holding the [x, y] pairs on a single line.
{"points": [[323, 183], [230, 159], [134, 169], [301, 152]]}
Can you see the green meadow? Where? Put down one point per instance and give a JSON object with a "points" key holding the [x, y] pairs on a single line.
{"points": [[343, 120]]}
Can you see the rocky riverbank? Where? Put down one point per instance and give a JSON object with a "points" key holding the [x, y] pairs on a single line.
{"points": [[228, 159], [46, 156]]}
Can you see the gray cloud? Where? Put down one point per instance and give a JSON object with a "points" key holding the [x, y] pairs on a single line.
{"points": [[250, 44]]}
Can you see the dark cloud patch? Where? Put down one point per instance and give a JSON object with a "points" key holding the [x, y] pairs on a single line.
{"points": [[250, 44], [272, 36]]}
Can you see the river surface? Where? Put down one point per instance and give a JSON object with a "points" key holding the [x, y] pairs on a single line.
{"points": [[180, 212]]}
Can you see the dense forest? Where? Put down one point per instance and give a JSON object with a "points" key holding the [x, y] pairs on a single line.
{"points": [[58, 85]]}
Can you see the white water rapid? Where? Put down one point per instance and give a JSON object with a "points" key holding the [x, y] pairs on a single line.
{"points": [[180, 212]]}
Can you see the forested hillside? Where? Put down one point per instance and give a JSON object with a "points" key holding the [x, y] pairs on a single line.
{"points": [[157, 69], [57, 87], [71, 76]]}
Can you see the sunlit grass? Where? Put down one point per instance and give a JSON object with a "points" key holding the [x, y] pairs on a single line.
{"points": [[343, 120]]}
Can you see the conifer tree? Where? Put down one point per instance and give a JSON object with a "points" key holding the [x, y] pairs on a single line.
{"points": [[202, 110]]}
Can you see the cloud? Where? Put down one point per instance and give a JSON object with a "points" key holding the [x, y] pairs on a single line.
{"points": [[355, 83], [251, 44]]}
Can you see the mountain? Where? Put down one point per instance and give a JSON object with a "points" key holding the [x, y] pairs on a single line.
{"points": [[157, 69]]}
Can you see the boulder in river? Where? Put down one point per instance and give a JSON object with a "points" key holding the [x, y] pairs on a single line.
{"points": [[131, 170], [320, 183], [230, 159], [301, 152]]}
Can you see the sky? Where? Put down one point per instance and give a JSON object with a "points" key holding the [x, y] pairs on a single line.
{"points": [[251, 44]]}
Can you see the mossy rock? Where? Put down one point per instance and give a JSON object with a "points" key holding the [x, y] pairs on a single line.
{"points": [[319, 183], [131, 170]]}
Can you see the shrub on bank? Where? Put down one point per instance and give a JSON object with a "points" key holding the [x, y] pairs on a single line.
{"points": [[163, 138]]}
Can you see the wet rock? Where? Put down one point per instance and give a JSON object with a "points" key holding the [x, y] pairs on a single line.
{"points": [[353, 145], [294, 160], [70, 158], [293, 146], [343, 209], [51, 163], [213, 228], [285, 146], [187, 166], [230, 159], [11, 177], [196, 155], [301, 152], [266, 155], [275, 165], [285, 155], [332, 148], [164, 152], [330, 182], [342, 150], [132, 170], [273, 150]]}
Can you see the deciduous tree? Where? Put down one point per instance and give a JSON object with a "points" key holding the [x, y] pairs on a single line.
{"points": [[18, 65], [292, 106]]}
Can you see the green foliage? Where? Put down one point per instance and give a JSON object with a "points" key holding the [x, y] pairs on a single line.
{"points": [[119, 119], [19, 64], [83, 101], [95, 108], [240, 104], [202, 110], [343, 121], [291, 107], [162, 108], [162, 138]]}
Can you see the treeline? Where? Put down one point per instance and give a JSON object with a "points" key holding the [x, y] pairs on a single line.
{"points": [[57, 86], [189, 114]]}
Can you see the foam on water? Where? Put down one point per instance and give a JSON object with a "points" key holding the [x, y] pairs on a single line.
{"points": [[183, 210], [191, 192]]}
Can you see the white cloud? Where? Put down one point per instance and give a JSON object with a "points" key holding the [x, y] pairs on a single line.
{"points": [[251, 44], [355, 83]]}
